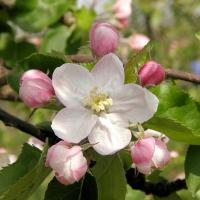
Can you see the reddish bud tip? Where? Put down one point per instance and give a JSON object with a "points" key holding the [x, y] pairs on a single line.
{"points": [[151, 73]]}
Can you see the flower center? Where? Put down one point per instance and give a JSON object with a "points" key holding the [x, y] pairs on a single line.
{"points": [[97, 101]]}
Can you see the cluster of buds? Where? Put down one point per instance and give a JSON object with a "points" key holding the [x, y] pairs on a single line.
{"points": [[67, 161], [35, 88], [150, 152]]}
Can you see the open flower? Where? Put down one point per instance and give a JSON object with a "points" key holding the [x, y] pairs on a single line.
{"points": [[98, 104]]}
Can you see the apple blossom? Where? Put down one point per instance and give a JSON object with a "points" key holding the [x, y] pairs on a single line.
{"points": [[138, 41], [104, 39], [35, 88], [122, 9], [99, 106], [67, 161], [149, 153], [151, 73]]}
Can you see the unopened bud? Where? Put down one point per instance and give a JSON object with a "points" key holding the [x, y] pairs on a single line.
{"points": [[68, 162], [104, 39], [151, 73], [35, 88], [138, 41], [149, 153]]}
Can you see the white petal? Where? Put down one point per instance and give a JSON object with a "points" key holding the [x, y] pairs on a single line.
{"points": [[109, 72], [134, 103], [108, 138], [144, 168], [71, 83], [73, 124]]}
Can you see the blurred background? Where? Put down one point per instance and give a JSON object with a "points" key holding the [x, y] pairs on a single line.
{"points": [[62, 26]]}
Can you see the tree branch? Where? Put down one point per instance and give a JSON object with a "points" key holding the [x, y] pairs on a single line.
{"points": [[40, 133], [170, 73], [162, 189], [136, 181], [9, 97], [186, 76]]}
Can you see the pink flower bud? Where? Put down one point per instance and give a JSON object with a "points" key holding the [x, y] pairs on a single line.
{"points": [[122, 9], [68, 162], [104, 39], [34, 74], [35, 88], [138, 41], [151, 73], [149, 153]]}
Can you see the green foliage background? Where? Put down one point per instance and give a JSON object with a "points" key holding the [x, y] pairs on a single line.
{"points": [[58, 29]]}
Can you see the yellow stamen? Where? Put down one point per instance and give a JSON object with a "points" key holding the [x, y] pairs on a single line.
{"points": [[97, 101]]}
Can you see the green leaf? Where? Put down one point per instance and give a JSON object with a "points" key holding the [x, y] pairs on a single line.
{"points": [[135, 62], [198, 35], [34, 16], [45, 62], [110, 177], [134, 194], [85, 189], [26, 161], [177, 116], [173, 129], [16, 51], [192, 169], [27, 184], [56, 39], [84, 18]]}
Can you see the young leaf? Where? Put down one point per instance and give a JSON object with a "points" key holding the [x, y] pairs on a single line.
{"points": [[136, 61], [192, 169], [110, 177], [56, 39], [45, 62], [34, 15], [26, 161], [27, 184], [177, 115], [85, 189]]}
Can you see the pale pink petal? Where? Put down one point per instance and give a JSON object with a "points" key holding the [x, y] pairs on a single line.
{"points": [[71, 83], [79, 166], [142, 152], [161, 155], [109, 72], [108, 138], [134, 103], [73, 124]]}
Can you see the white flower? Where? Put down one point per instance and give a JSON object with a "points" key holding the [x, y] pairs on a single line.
{"points": [[98, 104]]}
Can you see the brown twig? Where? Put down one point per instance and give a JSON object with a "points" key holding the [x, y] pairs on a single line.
{"points": [[170, 73], [162, 189], [9, 97], [186, 76]]}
